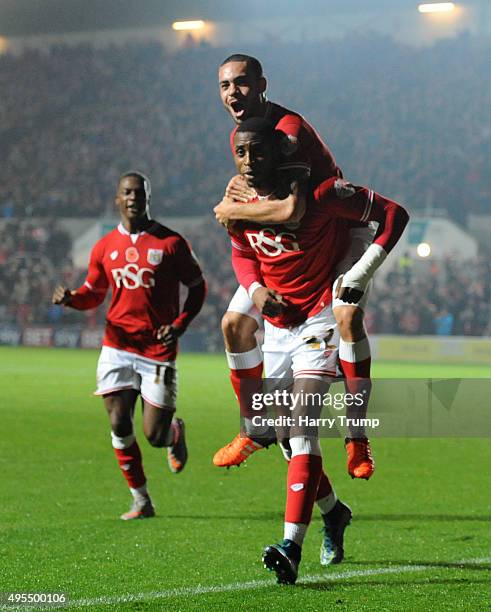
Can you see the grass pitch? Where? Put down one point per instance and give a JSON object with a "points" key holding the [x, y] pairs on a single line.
{"points": [[420, 537]]}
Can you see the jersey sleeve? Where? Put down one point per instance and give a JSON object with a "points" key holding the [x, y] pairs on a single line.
{"points": [[189, 273], [339, 198], [187, 266], [92, 293], [244, 262], [298, 142]]}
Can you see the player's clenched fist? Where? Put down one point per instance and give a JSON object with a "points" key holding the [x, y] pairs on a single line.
{"points": [[61, 295], [268, 302]]}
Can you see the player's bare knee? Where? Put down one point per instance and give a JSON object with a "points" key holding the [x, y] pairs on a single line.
{"points": [[157, 437], [350, 323], [121, 427], [238, 332], [156, 426], [119, 418]]}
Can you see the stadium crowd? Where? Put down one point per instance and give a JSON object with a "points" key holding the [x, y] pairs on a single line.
{"points": [[65, 139], [449, 298]]}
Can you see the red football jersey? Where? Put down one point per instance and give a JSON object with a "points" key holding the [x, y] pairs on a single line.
{"points": [[143, 271], [308, 155], [300, 262]]}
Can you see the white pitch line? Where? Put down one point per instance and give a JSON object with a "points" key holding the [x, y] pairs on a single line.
{"points": [[246, 586]]}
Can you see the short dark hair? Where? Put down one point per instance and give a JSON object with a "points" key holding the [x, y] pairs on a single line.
{"points": [[252, 63], [144, 179], [257, 125]]}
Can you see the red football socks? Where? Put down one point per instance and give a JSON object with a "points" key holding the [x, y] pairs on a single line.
{"points": [[304, 474], [130, 462]]}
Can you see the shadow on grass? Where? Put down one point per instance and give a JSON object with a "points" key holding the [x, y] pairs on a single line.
{"points": [[266, 516], [423, 517], [329, 585], [467, 565]]}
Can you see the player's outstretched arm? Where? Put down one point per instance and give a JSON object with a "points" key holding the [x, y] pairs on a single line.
{"points": [[93, 292], [83, 298], [80, 299]]}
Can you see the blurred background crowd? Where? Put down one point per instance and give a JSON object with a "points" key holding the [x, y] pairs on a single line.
{"points": [[448, 298], [421, 138], [64, 142]]}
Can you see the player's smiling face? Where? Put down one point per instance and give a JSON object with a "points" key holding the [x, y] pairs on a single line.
{"points": [[240, 90], [131, 200], [255, 159]]}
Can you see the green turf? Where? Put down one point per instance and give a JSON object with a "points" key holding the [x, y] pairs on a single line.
{"points": [[426, 510]]}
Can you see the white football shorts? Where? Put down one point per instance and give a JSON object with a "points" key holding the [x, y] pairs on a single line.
{"points": [[156, 381], [308, 350]]}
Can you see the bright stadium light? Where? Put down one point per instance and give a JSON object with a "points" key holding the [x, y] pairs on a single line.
{"points": [[423, 249], [436, 7], [185, 26]]}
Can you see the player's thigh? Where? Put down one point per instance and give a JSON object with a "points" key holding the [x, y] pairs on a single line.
{"points": [[242, 304], [158, 383], [119, 387], [344, 309], [349, 319], [278, 371], [115, 371], [316, 351], [277, 355], [308, 394], [120, 406], [158, 388], [156, 423]]}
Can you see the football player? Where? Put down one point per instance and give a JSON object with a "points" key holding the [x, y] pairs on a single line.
{"points": [[143, 263]]}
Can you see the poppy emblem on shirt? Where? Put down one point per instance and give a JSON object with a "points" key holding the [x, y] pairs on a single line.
{"points": [[132, 255], [113, 255], [154, 256]]}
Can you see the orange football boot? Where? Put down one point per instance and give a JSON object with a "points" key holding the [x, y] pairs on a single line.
{"points": [[236, 452], [177, 453], [360, 460]]}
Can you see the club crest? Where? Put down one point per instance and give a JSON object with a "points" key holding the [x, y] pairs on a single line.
{"points": [[154, 256]]}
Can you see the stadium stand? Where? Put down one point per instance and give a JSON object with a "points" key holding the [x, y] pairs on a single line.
{"points": [[65, 140], [441, 298]]}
